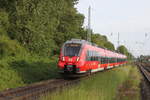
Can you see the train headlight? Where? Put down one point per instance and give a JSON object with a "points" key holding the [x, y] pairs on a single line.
{"points": [[77, 59]]}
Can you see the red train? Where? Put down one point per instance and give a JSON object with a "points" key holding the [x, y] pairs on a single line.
{"points": [[80, 56]]}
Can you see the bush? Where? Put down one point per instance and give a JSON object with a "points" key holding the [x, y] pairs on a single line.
{"points": [[10, 47], [20, 71], [18, 67]]}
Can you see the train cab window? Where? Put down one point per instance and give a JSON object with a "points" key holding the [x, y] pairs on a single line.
{"points": [[72, 49]]}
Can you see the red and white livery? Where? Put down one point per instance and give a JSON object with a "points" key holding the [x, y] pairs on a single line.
{"points": [[80, 56]]}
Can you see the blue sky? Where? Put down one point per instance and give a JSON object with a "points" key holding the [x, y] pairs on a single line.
{"points": [[131, 18]]}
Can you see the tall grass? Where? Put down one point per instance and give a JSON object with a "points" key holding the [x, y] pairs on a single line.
{"points": [[102, 86], [18, 67], [129, 89], [20, 71]]}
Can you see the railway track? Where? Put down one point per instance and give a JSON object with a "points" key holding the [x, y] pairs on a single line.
{"points": [[34, 91], [145, 71], [145, 83]]}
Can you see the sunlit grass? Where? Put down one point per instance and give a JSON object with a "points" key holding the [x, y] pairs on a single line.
{"points": [[102, 86], [19, 67], [21, 71], [130, 89]]}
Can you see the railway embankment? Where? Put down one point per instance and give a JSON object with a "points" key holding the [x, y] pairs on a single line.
{"points": [[122, 83]]}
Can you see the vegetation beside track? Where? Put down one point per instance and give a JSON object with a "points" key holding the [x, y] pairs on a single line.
{"points": [[129, 89], [107, 85], [19, 67], [21, 71]]}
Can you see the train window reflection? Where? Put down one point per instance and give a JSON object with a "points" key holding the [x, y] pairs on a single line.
{"points": [[72, 49]]}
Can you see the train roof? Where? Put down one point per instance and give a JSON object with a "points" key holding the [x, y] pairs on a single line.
{"points": [[83, 42], [89, 43], [78, 41]]}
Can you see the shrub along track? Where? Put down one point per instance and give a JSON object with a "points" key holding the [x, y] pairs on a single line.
{"points": [[145, 84], [34, 91]]}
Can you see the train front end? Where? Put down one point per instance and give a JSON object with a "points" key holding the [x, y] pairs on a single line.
{"points": [[70, 58]]}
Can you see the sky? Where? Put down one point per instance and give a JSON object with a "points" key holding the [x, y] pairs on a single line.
{"points": [[129, 18]]}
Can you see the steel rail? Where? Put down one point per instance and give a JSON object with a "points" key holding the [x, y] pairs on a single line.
{"points": [[145, 72], [34, 91]]}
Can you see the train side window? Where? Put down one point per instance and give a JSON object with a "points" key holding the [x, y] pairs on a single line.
{"points": [[89, 53], [96, 56], [102, 60], [109, 60], [88, 56], [117, 60], [106, 60], [93, 56], [114, 60]]}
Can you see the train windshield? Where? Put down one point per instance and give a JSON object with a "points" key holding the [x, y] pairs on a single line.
{"points": [[72, 49]]}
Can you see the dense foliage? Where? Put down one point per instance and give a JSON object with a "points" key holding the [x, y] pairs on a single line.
{"points": [[41, 26], [122, 49], [102, 41]]}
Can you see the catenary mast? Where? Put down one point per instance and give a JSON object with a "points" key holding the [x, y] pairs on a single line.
{"points": [[89, 25]]}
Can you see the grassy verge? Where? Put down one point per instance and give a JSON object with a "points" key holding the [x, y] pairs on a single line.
{"points": [[129, 89], [20, 71], [19, 67], [102, 86]]}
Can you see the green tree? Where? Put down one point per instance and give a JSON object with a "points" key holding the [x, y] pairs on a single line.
{"points": [[102, 41], [122, 49], [109, 45], [4, 23], [42, 25]]}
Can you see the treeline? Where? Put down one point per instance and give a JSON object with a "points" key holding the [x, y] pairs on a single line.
{"points": [[42, 26], [122, 49]]}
